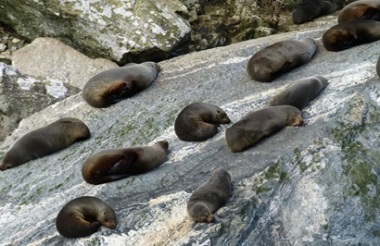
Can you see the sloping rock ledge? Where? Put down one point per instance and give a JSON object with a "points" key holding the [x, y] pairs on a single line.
{"points": [[312, 185]]}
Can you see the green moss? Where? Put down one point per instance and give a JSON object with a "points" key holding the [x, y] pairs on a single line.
{"points": [[298, 160], [95, 241], [56, 187], [376, 233], [325, 226], [147, 132], [284, 178], [264, 181], [243, 211], [223, 229], [126, 130], [362, 175], [273, 171], [302, 165], [262, 189], [312, 165], [358, 163]]}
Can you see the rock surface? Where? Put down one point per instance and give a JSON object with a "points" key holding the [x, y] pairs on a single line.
{"points": [[312, 185], [119, 30], [22, 95], [50, 58]]}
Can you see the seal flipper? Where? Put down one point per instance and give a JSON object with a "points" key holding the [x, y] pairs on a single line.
{"points": [[371, 13], [115, 177], [120, 169], [119, 92], [81, 228], [124, 164]]}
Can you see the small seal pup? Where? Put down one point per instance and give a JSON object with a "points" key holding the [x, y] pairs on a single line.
{"points": [[359, 10], [84, 216], [199, 121], [308, 10], [114, 164], [44, 141], [280, 57], [210, 196], [300, 93], [349, 34], [259, 124], [114, 85]]}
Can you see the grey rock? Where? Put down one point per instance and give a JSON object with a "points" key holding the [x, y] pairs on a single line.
{"points": [[22, 95], [51, 58], [118, 30], [2, 47], [317, 184]]}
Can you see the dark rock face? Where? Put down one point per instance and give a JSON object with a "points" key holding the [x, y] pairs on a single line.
{"points": [[317, 184]]}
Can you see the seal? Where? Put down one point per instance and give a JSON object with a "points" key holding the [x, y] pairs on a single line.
{"points": [[261, 123], [280, 57], [301, 92], [44, 141], [349, 34], [114, 85], [84, 216], [114, 164], [378, 67], [199, 121], [308, 10], [359, 10], [210, 196]]}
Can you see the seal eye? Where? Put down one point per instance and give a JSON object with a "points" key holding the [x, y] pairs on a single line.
{"points": [[218, 111]]}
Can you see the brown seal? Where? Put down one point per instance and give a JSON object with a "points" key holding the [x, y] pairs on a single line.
{"points": [[199, 121], [114, 164], [210, 196], [280, 57], [301, 92], [114, 85], [84, 216], [44, 141], [349, 34], [359, 10], [308, 10], [378, 67], [259, 124]]}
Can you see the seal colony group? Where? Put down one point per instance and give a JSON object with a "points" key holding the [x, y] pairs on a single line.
{"points": [[197, 121]]}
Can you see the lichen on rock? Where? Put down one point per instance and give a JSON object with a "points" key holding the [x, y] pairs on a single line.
{"points": [[117, 30]]}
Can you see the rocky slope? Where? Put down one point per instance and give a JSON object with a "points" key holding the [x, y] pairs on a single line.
{"points": [[317, 184]]}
